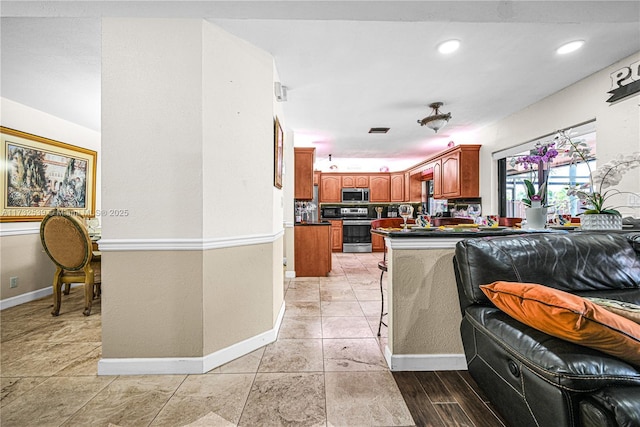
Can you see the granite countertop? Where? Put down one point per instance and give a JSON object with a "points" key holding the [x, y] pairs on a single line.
{"points": [[459, 232]]}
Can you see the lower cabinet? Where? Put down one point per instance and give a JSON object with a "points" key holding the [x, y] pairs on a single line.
{"points": [[312, 250], [336, 235], [377, 243]]}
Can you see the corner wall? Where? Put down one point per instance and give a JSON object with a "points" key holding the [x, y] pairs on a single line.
{"points": [[195, 269]]}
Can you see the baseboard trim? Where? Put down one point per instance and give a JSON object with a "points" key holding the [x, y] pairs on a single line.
{"points": [[24, 298], [30, 296], [425, 362], [290, 274], [189, 365]]}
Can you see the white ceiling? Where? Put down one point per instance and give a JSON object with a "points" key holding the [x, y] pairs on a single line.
{"points": [[348, 65]]}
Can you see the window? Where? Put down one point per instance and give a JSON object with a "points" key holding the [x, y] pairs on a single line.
{"points": [[561, 175]]}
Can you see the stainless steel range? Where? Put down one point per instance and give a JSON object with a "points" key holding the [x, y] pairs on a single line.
{"points": [[356, 230]]}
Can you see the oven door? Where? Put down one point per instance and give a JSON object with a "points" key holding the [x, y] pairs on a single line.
{"points": [[356, 235]]}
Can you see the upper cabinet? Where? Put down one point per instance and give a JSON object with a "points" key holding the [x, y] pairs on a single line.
{"points": [[355, 181], [303, 165], [455, 174], [397, 187], [437, 179], [379, 188], [458, 173], [330, 188]]}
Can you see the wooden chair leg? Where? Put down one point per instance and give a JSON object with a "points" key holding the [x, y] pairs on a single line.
{"points": [[88, 295], [57, 292], [67, 288]]}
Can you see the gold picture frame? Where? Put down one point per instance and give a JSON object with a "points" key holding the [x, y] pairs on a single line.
{"points": [[38, 175], [278, 153]]}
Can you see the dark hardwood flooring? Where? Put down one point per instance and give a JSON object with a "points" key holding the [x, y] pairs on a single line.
{"points": [[446, 398]]}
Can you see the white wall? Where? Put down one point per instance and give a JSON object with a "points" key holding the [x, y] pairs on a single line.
{"points": [[617, 129]]}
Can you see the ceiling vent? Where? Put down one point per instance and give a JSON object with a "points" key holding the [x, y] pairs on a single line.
{"points": [[379, 130]]}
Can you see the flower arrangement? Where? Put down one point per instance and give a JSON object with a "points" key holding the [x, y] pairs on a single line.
{"points": [[539, 159], [595, 194]]}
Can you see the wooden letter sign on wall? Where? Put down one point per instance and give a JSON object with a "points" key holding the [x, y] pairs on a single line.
{"points": [[625, 82]]}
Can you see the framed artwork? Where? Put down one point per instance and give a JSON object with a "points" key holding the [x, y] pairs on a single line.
{"points": [[39, 174], [278, 153]]}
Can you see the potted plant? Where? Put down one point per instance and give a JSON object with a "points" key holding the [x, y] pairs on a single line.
{"points": [[535, 201], [598, 213]]}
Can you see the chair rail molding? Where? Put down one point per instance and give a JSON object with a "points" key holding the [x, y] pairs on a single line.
{"points": [[187, 244]]}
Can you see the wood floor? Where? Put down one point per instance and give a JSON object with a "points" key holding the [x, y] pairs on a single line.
{"points": [[446, 398]]}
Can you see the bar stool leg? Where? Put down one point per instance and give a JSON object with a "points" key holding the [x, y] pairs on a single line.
{"points": [[382, 313]]}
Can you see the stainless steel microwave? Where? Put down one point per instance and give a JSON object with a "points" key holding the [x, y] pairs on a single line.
{"points": [[355, 195]]}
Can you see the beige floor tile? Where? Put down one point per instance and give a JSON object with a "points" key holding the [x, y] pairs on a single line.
{"points": [[371, 308], [247, 364], [368, 294], [293, 399], [301, 294], [337, 294], [300, 327], [364, 399], [200, 397], [84, 365], [53, 401], [304, 285], [345, 327], [297, 355], [67, 330], [22, 358], [341, 308], [12, 388], [361, 354], [302, 308], [128, 401]]}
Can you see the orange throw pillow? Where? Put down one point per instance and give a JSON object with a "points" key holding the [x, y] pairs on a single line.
{"points": [[569, 317]]}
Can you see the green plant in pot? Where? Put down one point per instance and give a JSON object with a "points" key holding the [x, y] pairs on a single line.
{"points": [[536, 209], [596, 195], [535, 202]]}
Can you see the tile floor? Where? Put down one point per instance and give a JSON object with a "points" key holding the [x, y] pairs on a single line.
{"points": [[325, 369]]}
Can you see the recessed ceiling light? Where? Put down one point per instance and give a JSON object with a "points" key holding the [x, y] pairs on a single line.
{"points": [[449, 46], [570, 47]]}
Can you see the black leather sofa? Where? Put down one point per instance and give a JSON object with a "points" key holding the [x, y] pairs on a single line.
{"points": [[532, 378]]}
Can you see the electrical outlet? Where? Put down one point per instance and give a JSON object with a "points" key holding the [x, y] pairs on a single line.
{"points": [[13, 282]]}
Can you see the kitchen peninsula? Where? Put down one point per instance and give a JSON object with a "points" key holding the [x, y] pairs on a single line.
{"points": [[423, 311], [312, 251]]}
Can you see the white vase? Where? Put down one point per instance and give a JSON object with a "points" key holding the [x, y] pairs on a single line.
{"points": [[601, 222], [536, 218]]}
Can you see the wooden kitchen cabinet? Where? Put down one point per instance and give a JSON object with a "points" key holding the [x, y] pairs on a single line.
{"points": [[437, 180], [459, 173], [355, 181], [330, 189], [336, 235], [379, 188], [312, 250], [397, 187], [377, 243], [303, 165]]}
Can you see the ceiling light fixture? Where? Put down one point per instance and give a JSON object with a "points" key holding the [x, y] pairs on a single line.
{"points": [[436, 120], [449, 46], [570, 47]]}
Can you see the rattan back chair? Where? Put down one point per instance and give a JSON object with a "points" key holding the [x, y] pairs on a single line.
{"points": [[66, 241]]}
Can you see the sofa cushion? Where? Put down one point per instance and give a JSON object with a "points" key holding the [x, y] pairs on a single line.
{"points": [[571, 262], [621, 308], [569, 317]]}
